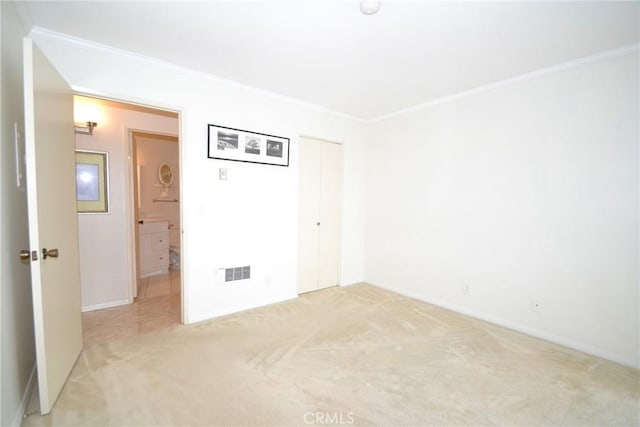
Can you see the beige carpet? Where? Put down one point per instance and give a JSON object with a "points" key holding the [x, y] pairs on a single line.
{"points": [[356, 355]]}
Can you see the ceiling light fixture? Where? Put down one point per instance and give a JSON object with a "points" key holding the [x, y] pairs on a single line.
{"points": [[369, 7]]}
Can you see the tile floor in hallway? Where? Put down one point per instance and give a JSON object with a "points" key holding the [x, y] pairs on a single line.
{"points": [[157, 307]]}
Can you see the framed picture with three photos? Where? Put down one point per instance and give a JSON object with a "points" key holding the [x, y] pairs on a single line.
{"points": [[239, 145]]}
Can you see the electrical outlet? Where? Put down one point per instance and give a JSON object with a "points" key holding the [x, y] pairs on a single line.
{"points": [[536, 305], [467, 289]]}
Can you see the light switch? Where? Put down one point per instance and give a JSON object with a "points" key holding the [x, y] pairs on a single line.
{"points": [[222, 174]]}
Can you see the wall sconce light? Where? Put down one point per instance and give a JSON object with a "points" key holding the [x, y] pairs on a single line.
{"points": [[85, 128]]}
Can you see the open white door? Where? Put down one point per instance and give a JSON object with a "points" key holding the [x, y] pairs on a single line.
{"points": [[53, 228]]}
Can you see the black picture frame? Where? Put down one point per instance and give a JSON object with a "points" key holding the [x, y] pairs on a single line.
{"points": [[239, 145]]}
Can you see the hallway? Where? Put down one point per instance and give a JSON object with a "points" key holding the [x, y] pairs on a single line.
{"points": [[157, 307]]}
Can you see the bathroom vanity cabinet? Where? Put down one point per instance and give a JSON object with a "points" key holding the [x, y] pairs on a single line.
{"points": [[154, 248]]}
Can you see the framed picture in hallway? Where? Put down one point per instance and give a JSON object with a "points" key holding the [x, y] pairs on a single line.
{"points": [[92, 182], [245, 146]]}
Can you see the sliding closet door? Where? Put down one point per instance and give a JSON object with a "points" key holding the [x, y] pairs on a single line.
{"points": [[319, 214], [309, 215], [330, 213]]}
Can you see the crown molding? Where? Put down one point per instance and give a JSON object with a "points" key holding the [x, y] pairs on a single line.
{"points": [[620, 51], [91, 45], [39, 32]]}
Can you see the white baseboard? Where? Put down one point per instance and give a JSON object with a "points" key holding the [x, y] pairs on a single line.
{"points": [[105, 305], [22, 409], [154, 273], [238, 309], [556, 339]]}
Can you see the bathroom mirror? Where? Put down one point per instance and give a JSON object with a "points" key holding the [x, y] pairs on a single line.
{"points": [[165, 174]]}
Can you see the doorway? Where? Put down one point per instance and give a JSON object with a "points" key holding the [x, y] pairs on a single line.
{"points": [[109, 262], [156, 190]]}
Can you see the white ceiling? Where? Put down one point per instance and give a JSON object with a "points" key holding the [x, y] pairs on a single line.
{"points": [[329, 54]]}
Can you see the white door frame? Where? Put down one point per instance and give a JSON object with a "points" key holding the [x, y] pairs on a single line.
{"points": [[129, 207], [131, 202]]}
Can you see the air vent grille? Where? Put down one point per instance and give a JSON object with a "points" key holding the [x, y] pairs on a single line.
{"points": [[237, 273]]}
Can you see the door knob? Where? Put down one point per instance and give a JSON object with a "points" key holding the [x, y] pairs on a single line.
{"points": [[25, 256], [53, 253]]}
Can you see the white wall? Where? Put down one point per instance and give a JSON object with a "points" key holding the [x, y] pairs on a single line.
{"points": [[151, 153], [251, 219], [17, 355], [103, 239], [526, 190]]}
